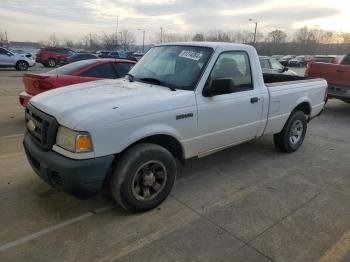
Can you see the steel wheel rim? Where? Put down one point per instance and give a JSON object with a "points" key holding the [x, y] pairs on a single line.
{"points": [[296, 132], [51, 63], [149, 180]]}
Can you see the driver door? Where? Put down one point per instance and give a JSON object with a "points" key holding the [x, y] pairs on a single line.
{"points": [[230, 118], [6, 58]]}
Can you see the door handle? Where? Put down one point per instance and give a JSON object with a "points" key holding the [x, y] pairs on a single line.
{"points": [[340, 71], [254, 100]]}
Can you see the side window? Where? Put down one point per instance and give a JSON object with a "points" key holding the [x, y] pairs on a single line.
{"points": [[264, 63], [123, 68], [101, 71], [54, 50], [276, 65], [235, 66], [2, 51]]}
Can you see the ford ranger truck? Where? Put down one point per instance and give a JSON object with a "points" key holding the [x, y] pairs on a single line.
{"points": [[337, 76], [180, 101]]}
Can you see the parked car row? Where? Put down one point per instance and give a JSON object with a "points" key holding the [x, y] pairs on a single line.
{"points": [[303, 60], [53, 56]]}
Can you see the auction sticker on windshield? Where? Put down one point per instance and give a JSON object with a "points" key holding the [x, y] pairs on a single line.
{"points": [[190, 55]]}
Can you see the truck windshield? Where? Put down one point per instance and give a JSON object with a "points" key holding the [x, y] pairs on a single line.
{"points": [[176, 66]]}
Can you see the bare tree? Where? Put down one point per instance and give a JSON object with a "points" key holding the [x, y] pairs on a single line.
{"points": [[346, 38], [109, 41], [198, 37], [3, 38], [305, 36], [127, 39], [53, 41], [177, 37], [277, 36], [68, 42], [218, 36]]}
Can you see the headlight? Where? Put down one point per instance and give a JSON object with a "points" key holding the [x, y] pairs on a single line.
{"points": [[74, 141]]}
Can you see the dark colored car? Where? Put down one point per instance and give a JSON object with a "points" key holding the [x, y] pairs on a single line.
{"points": [[74, 73], [102, 54], [138, 55], [53, 56], [300, 61], [285, 60], [121, 55], [80, 57]]}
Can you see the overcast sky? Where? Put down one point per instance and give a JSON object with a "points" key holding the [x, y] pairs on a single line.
{"points": [[37, 19]]}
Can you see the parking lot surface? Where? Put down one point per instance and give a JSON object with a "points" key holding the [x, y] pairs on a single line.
{"points": [[247, 203]]}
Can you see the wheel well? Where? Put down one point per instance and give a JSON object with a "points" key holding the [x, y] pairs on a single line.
{"points": [[20, 60], [304, 107], [166, 141]]}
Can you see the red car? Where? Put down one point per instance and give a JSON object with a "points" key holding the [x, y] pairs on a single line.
{"points": [[337, 76], [52, 56], [74, 73]]}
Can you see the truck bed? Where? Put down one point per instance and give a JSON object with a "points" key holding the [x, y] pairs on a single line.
{"points": [[285, 93], [270, 79]]}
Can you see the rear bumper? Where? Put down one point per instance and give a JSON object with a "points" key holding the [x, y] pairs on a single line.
{"points": [[80, 178], [339, 92], [24, 98]]}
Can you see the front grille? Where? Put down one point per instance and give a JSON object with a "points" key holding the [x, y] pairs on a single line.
{"points": [[41, 126]]}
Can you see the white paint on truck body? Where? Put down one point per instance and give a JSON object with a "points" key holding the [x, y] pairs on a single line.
{"points": [[117, 113]]}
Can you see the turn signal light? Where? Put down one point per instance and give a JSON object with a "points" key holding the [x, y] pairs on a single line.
{"points": [[83, 143]]}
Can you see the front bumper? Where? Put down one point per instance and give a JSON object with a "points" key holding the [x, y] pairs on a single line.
{"points": [[80, 178]]}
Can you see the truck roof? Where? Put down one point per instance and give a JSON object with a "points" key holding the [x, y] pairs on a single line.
{"points": [[213, 45]]}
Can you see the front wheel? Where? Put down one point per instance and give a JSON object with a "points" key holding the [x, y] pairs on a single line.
{"points": [[143, 177], [51, 62], [292, 136], [22, 65]]}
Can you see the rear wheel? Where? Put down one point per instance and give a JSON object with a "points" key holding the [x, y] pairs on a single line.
{"points": [[51, 62], [22, 65], [292, 136], [143, 177]]}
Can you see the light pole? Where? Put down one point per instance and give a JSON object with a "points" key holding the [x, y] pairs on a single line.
{"points": [[161, 35], [121, 39], [256, 28], [143, 39]]}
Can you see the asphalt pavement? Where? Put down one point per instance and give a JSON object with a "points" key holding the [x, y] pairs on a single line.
{"points": [[248, 203]]}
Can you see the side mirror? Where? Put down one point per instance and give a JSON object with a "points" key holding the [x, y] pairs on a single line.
{"points": [[285, 69], [9, 54], [219, 86]]}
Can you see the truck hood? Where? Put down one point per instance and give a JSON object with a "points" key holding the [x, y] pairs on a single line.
{"points": [[114, 100]]}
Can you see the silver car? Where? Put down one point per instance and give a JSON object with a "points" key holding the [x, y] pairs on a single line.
{"points": [[272, 66]]}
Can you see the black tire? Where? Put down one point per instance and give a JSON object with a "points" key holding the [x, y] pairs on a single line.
{"points": [[129, 180], [22, 65], [51, 62], [289, 142]]}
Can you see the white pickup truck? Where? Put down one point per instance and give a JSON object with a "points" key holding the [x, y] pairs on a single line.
{"points": [[180, 101]]}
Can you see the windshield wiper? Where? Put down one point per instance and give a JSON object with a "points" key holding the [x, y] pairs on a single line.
{"points": [[159, 82], [130, 77]]}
